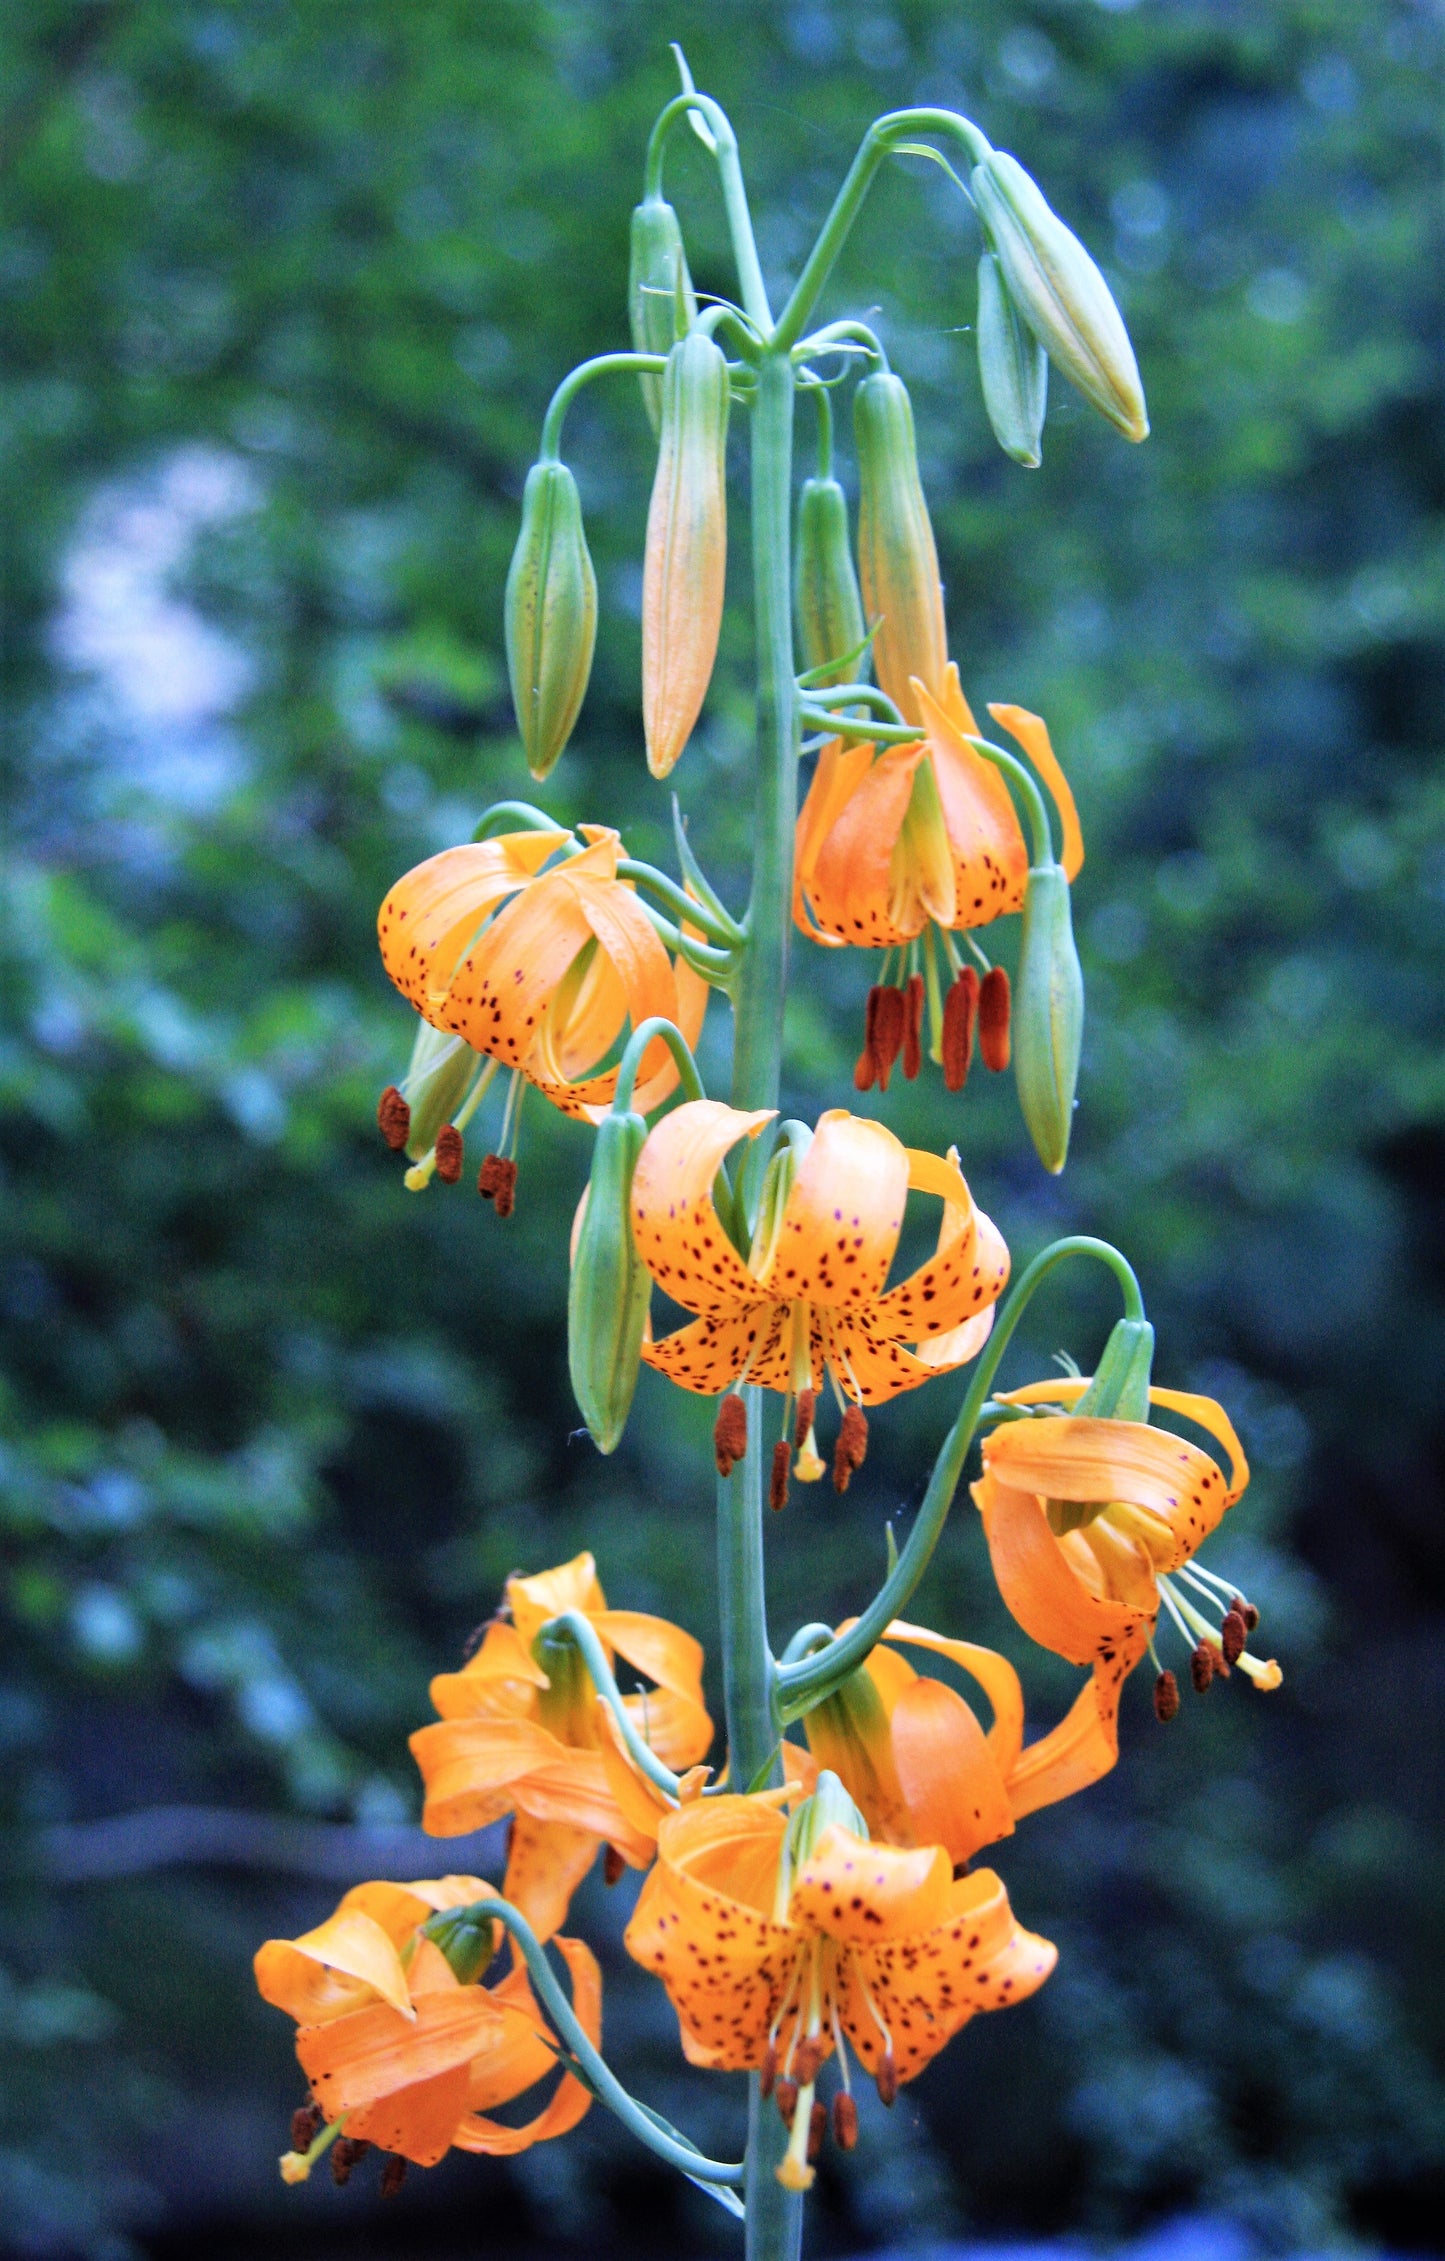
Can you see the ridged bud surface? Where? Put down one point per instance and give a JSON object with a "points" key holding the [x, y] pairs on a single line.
{"points": [[828, 607], [897, 559], [1048, 1015], [661, 302], [685, 565], [551, 614], [1013, 369], [609, 1288]]}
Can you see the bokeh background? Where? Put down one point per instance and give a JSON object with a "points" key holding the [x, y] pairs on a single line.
{"points": [[287, 285]]}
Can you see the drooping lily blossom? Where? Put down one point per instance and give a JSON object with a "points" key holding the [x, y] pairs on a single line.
{"points": [[919, 833], [810, 1293], [542, 969], [921, 1768], [521, 1733], [772, 1947], [1090, 1524], [389, 2037]]}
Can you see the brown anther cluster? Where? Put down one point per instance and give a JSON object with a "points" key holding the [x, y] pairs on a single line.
{"points": [[803, 1422], [807, 2058], [993, 1019], [845, 2121], [1166, 1698], [393, 1118], [307, 2121], [885, 1024], [851, 1450], [817, 2128], [913, 1026], [497, 1182], [393, 2174], [614, 1867], [449, 1154], [1247, 1611], [887, 2079], [778, 1480], [730, 1433], [786, 2093], [1233, 1634], [347, 2152], [1201, 1668], [960, 1018]]}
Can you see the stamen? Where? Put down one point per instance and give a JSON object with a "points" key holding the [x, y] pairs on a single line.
{"points": [[786, 2095], [1232, 1636], [913, 1026], [993, 1019], [1201, 1668], [1166, 1698], [614, 1867], [1247, 1611], [865, 1074], [845, 2120], [778, 1481], [887, 2078], [393, 2175], [817, 2129], [803, 1422], [960, 1016], [307, 2121], [449, 1153], [393, 1118], [851, 1450], [345, 2155], [730, 1433], [889, 1030], [807, 2059]]}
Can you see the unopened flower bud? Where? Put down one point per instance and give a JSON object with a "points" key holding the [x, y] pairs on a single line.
{"points": [[825, 589], [1013, 369], [1059, 291], [1048, 1015], [551, 615], [661, 302], [897, 559], [685, 564], [610, 1286]]}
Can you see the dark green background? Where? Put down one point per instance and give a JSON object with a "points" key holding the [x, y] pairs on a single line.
{"points": [[286, 290]]}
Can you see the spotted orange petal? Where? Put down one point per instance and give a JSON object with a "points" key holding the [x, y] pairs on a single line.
{"points": [[710, 1354], [990, 858], [402, 2085], [843, 1215], [1044, 1592], [852, 880], [1081, 1749], [994, 1674], [1077, 1457], [840, 769], [859, 1892], [1032, 734], [346, 1963], [701, 1923], [432, 914], [677, 1230]]}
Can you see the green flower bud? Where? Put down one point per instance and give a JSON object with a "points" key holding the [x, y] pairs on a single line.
{"points": [[825, 589], [897, 560], [551, 614], [1013, 368], [435, 1084], [661, 303], [1060, 292], [1048, 1015], [608, 1294]]}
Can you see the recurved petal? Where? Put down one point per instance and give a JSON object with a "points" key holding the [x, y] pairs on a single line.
{"points": [[990, 856], [676, 1228], [725, 1964], [546, 1861], [949, 1777], [1212, 1418], [676, 1727], [924, 1988], [499, 1682], [660, 1649], [951, 1286], [435, 910], [843, 1216], [375, 2058], [994, 1674], [571, 2100], [1043, 1591], [346, 1963], [500, 989], [840, 769], [630, 940], [859, 1892], [399, 1908], [1077, 1457], [851, 884], [710, 1353], [571, 1585], [1032, 734], [1082, 1748], [865, 1358]]}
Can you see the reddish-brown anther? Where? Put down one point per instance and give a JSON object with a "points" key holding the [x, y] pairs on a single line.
{"points": [[768, 2072], [1233, 1634], [497, 1182], [865, 1075], [807, 2058], [449, 1153], [786, 2095], [913, 1026], [614, 1867], [778, 1481], [393, 2174], [887, 2078], [845, 2121], [817, 2127], [803, 1421], [1247, 1611], [851, 1450], [1202, 1668], [1166, 1698], [730, 1433], [307, 2121], [960, 1018], [993, 1019], [347, 2152], [393, 1119], [489, 1176], [888, 1033]]}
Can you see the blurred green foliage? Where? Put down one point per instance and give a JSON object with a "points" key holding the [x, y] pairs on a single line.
{"points": [[286, 289]]}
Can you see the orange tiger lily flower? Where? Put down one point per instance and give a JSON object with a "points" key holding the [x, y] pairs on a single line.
{"points": [[390, 2037], [914, 1757], [810, 1295], [1088, 1520], [525, 1737], [540, 969], [771, 1946], [924, 832]]}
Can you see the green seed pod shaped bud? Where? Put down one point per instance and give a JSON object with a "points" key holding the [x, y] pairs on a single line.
{"points": [[551, 614], [897, 560], [608, 1294], [1048, 1015], [1013, 368], [435, 1084], [825, 590], [661, 302], [684, 567], [1060, 292]]}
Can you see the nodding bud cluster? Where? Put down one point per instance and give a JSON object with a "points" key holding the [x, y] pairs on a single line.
{"points": [[550, 615], [685, 564], [661, 302], [1059, 291], [826, 602], [897, 559], [1013, 369], [1048, 1015], [607, 1296]]}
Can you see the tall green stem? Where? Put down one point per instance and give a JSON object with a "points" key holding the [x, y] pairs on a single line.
{"points": [[775, 2216]]}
